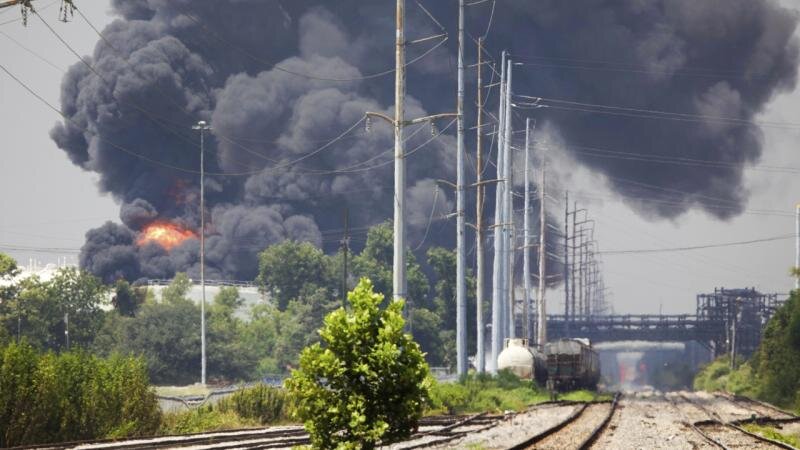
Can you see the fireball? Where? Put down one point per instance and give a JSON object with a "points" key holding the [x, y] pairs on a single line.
{"points": [[166, 234]]}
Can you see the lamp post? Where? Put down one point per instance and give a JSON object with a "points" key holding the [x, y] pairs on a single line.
{"points": [[202, 127]]}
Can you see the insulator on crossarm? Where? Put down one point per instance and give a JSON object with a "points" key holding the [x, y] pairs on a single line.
{"points": [[368, 124]]}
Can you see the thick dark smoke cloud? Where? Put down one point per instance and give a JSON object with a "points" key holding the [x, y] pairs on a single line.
{"points": [[171, 63]]}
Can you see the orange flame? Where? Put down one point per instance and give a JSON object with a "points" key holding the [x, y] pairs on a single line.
{"points": [[165, 234]]}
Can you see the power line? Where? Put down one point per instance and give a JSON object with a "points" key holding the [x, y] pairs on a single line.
{"points": [[36, 55], [664, 159], [280, 68], [647, 113], [697, 247]]}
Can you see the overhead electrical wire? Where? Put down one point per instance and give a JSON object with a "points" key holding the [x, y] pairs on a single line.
{"points": [[279, 166], [182, 169], [36, 55], [550, 103], [280, 68], [663, 159], [698, 247], [677, 72]]}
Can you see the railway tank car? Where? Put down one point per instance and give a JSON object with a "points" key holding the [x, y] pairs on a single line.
{"points": [[522, 360], [572, 364]]}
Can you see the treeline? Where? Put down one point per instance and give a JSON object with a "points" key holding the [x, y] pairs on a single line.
{"points": [[773, 373], [303, 285]]}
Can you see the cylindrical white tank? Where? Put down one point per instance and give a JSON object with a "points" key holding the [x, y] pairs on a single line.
{"points": [[517, 358]]}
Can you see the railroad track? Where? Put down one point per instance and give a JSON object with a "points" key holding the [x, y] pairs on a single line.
{"points": [[437, 430], [579, 430], [728, 435], [765, 411]]}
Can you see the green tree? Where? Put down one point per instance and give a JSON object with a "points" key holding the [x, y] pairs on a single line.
{"points": [[427, 328], [229, 357], [366, 382], [9, 308], [37, 317], [80, 296], [127, 299], [285, 270], [177, 290], [375, 263]]}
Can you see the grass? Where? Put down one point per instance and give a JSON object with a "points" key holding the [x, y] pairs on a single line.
{"points": [[202, 419], [773, 433], [192, 390], [505, 392]]}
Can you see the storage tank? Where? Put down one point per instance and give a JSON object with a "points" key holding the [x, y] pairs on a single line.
{"points": [[523, 361]]}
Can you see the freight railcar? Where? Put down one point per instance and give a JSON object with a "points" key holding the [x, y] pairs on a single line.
{"points": [[572, 364]]}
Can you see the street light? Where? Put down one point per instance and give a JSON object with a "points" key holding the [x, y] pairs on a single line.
{"points": [[202, 127]]}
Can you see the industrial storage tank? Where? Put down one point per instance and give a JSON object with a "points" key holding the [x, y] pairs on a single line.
{"points": [[522, 360]]}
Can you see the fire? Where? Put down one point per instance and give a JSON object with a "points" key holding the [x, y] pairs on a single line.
{"points": [[165, 234]]}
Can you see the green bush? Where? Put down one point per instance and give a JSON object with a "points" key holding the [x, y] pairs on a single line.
{"points": [[367, 381], [717, 376], [483, 392], [72, 396], [203, 419], [263, 403]]}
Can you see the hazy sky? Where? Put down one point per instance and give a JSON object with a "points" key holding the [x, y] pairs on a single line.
{"points": [[47, 202]]}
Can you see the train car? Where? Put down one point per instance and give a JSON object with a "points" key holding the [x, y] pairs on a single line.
{"points": [[522, 360], [572, 364]]}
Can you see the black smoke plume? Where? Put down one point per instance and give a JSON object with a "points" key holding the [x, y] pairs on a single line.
{"points": [[167, 64]]}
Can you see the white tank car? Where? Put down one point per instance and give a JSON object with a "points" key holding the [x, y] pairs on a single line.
{"points": [[522, 360]]}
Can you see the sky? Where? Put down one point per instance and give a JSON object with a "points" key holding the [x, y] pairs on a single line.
{"points": [[47, 202]]}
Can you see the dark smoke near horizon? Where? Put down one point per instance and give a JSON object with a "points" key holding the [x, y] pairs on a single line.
{"points": [[168, 64]]}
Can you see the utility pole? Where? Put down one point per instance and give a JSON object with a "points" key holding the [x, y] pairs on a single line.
{"points": [[461, 270], [479, 238], [526, 263], [574, 260], [499, 217], [399, 257], [345, 248], [541, 311], [509, 235], [202, 127], [398, 122], [566, 258]]}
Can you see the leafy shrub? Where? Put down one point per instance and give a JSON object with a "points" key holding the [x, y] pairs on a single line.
{"points": [[202, 419], [72, 396], [367, 381], [263, 403], [483, 392]]}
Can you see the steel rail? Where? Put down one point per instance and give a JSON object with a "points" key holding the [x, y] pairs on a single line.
{"points": [[717, 420], [587, 443], [552, 430]]}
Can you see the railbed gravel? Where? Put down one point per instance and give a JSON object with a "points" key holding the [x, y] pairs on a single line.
{"points": [[649, 421], [731, 438], [513, 430]]}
